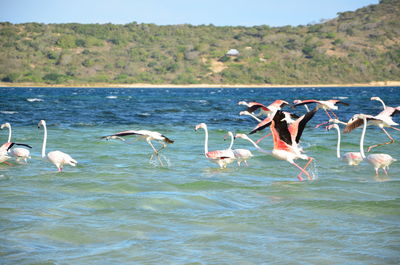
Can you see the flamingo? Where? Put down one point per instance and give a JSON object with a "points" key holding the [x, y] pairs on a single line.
{"points": [[382, 120], [352, 158], [146, 135], [58, 158], [322, 104], [18, 153], [4, 150], [220, 157], [241, 155], [286, 140], [376, 160]]}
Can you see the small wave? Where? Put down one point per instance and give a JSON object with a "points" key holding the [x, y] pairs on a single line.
{"points": [[34, 99], [144, 114], [341, 97], [8, 112], [112, 97]]}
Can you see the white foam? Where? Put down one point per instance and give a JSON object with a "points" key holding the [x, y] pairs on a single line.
{"points": [[112, 97], [34, 99], [8, 112]]}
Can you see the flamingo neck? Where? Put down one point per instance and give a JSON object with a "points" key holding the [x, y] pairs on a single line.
{"points": [[383, 103], [257, 146], [231, 135], [9, 133], [338, 142], [44, 141], [362, 138], [206, 141]]}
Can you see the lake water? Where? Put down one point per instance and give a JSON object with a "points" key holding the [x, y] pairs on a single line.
{"points": [[117, 207]]}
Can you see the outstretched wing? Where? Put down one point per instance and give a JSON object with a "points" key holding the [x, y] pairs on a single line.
{"points": [[303, 121]]}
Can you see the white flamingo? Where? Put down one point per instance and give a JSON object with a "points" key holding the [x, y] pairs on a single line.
{"points": [[376, 160], [352, 158], [241, 155], [220, 157], [19, 153], [58, 158]]}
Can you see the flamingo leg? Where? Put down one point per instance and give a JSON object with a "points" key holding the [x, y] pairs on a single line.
{"points": [[303, 170], [265, 136], [327, 113], [397, 129], [384, 170], [377, 173], [388, 135], [154, 153]]}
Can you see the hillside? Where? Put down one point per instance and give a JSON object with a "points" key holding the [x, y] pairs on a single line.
{"points": [[355, 47]]}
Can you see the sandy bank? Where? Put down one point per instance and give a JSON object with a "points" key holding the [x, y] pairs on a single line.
{"points": [[139, 85]]}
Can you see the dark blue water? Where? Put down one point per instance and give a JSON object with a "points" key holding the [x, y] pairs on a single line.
{"points": [[117, 207]]}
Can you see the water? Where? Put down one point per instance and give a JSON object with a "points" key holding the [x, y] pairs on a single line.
{"points": [[117, 207]]}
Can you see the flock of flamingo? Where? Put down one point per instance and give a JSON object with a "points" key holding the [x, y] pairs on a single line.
{"points": [[286, 129]]}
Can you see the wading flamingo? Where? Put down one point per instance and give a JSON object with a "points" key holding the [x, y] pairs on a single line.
{"points": [[146, 135], [241, 155], [220, 157], [58, 158], [376, 160], [322, 104], [352, 158], [4, 150], [382, 120], [19, 153]]}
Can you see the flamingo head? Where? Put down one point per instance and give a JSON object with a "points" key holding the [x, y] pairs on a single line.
{"points": [[5, 125], [329, 127], [297, 101], [201, 125], [243, 103], [229, 133], [241, 135], [280, 103], [375, 98], [41, 123]]}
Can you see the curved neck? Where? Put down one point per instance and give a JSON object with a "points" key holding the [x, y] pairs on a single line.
{"points": [[9, 133], [257, 146], [231, 135], [383, 103], [362, 138], [44, 141], [338, 142]]}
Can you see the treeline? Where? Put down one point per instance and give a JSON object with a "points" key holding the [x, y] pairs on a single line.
{"points": [[355, 47]]}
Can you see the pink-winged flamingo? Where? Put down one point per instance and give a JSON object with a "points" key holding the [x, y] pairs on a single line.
{"points": [[326, 105], [146, 135], [18, 152], [220, 157], [241, 155], [352, 158], [58, 158], [382, 120], [376, 160]]}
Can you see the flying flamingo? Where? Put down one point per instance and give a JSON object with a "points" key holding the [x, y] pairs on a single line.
{"points": [[18, 153], [146, 135], [241, 155], [352, 158], [382, 120], [220, 157], [322, 104], [58, 158], [286, 140], [377, 160]]}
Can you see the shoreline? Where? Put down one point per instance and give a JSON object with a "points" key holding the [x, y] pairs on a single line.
{"points": [[143, 85]]}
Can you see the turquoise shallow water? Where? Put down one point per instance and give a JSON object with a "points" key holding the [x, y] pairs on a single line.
{"points": [[117, 208]]}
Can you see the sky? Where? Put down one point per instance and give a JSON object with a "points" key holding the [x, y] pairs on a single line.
{"points": [[170, 12]]}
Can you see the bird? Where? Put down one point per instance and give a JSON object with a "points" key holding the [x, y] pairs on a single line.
{"points": [[220, 157], [241, 155], [322, 104], [58, 158], [352, 158], [376, 160], [19, 153], [382, 120], [4, 150], [146, 135], [286, 140]]}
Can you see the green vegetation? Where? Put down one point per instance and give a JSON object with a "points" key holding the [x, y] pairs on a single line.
{"points": [[355, 47]]}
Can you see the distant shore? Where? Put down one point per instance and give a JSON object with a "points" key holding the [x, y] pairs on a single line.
{"points": [[142, 85]]}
